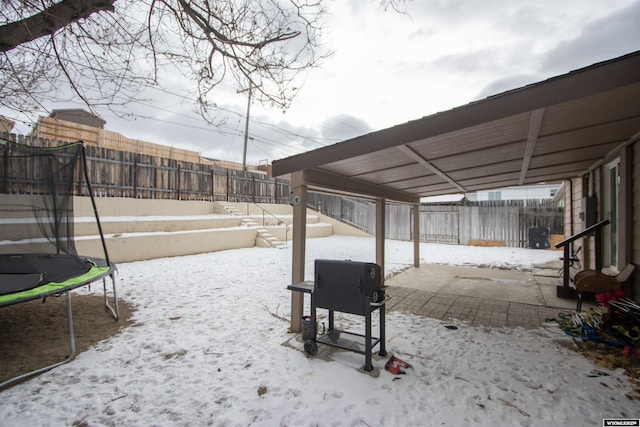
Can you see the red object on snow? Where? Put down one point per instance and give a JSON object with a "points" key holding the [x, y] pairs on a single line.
{"points": [[396, 365]]}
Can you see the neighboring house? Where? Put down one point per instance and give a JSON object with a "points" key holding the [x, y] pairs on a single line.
{"points": [[6, 125], [529, 192], [80, 116], [80, 125], [71, 125], [540, 192]]}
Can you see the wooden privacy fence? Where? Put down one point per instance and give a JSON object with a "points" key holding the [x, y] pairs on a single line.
{"points": [[115, 173], [356, 212], [518, 223]]}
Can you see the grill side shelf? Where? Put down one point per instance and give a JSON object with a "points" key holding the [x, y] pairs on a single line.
{"points": [[307, 287]]}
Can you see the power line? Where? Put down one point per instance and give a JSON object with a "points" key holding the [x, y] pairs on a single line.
{"points": [[285, 132], [229, 131], [225, 130]]}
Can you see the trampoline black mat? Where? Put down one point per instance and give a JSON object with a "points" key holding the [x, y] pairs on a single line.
{"points": [[20, 272]]}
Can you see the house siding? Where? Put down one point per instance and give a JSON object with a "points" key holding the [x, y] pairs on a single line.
{"points": [[573, 209], [629, 212], [635, 243], [574, 217], [635, 215]]}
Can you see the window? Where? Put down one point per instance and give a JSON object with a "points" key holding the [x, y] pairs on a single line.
{"points": [[495, 195]]}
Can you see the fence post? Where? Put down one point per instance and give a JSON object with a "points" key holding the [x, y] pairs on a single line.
{"points": [[135, 176], [178, 181], [275, 190], [253, 186], [213, 185], [5, 175], [78, 178]]}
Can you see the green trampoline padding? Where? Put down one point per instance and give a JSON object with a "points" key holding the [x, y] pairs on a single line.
{"points": [[52, 288]]}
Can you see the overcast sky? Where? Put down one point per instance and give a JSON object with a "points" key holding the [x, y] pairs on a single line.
{"points": [[391, 68]]}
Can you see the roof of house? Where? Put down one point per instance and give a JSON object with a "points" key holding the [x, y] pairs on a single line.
{"points": [[78, 115]]}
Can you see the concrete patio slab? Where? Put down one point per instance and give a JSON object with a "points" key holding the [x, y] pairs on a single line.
{"points": [[480, 296]]}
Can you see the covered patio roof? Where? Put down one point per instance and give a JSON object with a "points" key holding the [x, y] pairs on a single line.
{"points": [[556, 129]]}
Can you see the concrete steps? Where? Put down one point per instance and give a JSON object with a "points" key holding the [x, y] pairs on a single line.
{"points": [[264, 238]]}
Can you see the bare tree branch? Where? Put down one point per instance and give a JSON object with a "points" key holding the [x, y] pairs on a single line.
{"points": [[49, 21], [57, 50]]}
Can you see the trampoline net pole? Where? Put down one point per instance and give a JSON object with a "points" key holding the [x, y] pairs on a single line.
{"points": [[93, 203]]}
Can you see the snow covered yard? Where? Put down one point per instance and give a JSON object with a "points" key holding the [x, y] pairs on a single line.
{"points": [[208, 350]]}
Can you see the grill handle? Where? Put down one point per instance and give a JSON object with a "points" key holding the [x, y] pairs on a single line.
{"points": [[379, 304]]}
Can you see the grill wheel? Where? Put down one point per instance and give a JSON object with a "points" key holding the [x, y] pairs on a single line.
{"points": [[310, 348]]}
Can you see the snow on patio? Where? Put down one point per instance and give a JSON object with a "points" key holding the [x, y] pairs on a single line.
{"points": [[208, 350]]}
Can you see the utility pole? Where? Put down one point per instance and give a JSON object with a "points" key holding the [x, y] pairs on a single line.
{"points": [[246, 127]]}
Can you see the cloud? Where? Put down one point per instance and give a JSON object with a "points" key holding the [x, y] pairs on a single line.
{"points": [[603, 39], [507, 83], [344, 126]]}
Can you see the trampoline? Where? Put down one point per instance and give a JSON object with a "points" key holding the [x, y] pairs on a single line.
{"points": [[38, 257]]}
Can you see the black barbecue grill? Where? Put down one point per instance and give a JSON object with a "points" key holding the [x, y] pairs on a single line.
{"points": [[348, 287]]}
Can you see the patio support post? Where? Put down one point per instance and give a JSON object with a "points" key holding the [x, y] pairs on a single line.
{"points": [[380, 234], [299, 202], [416, 235]]}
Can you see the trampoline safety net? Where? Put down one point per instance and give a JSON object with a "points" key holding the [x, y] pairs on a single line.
{"points": [[37, 188], [37, 244]]}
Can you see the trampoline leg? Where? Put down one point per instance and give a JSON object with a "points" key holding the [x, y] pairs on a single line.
{"points": [[72, 350], [72, 337], [114, 310]]}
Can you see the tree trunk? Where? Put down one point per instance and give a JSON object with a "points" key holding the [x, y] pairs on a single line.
{"points": [[49, 21]]}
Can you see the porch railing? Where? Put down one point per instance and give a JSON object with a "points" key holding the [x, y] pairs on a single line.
{"points": [[564, 291]]}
